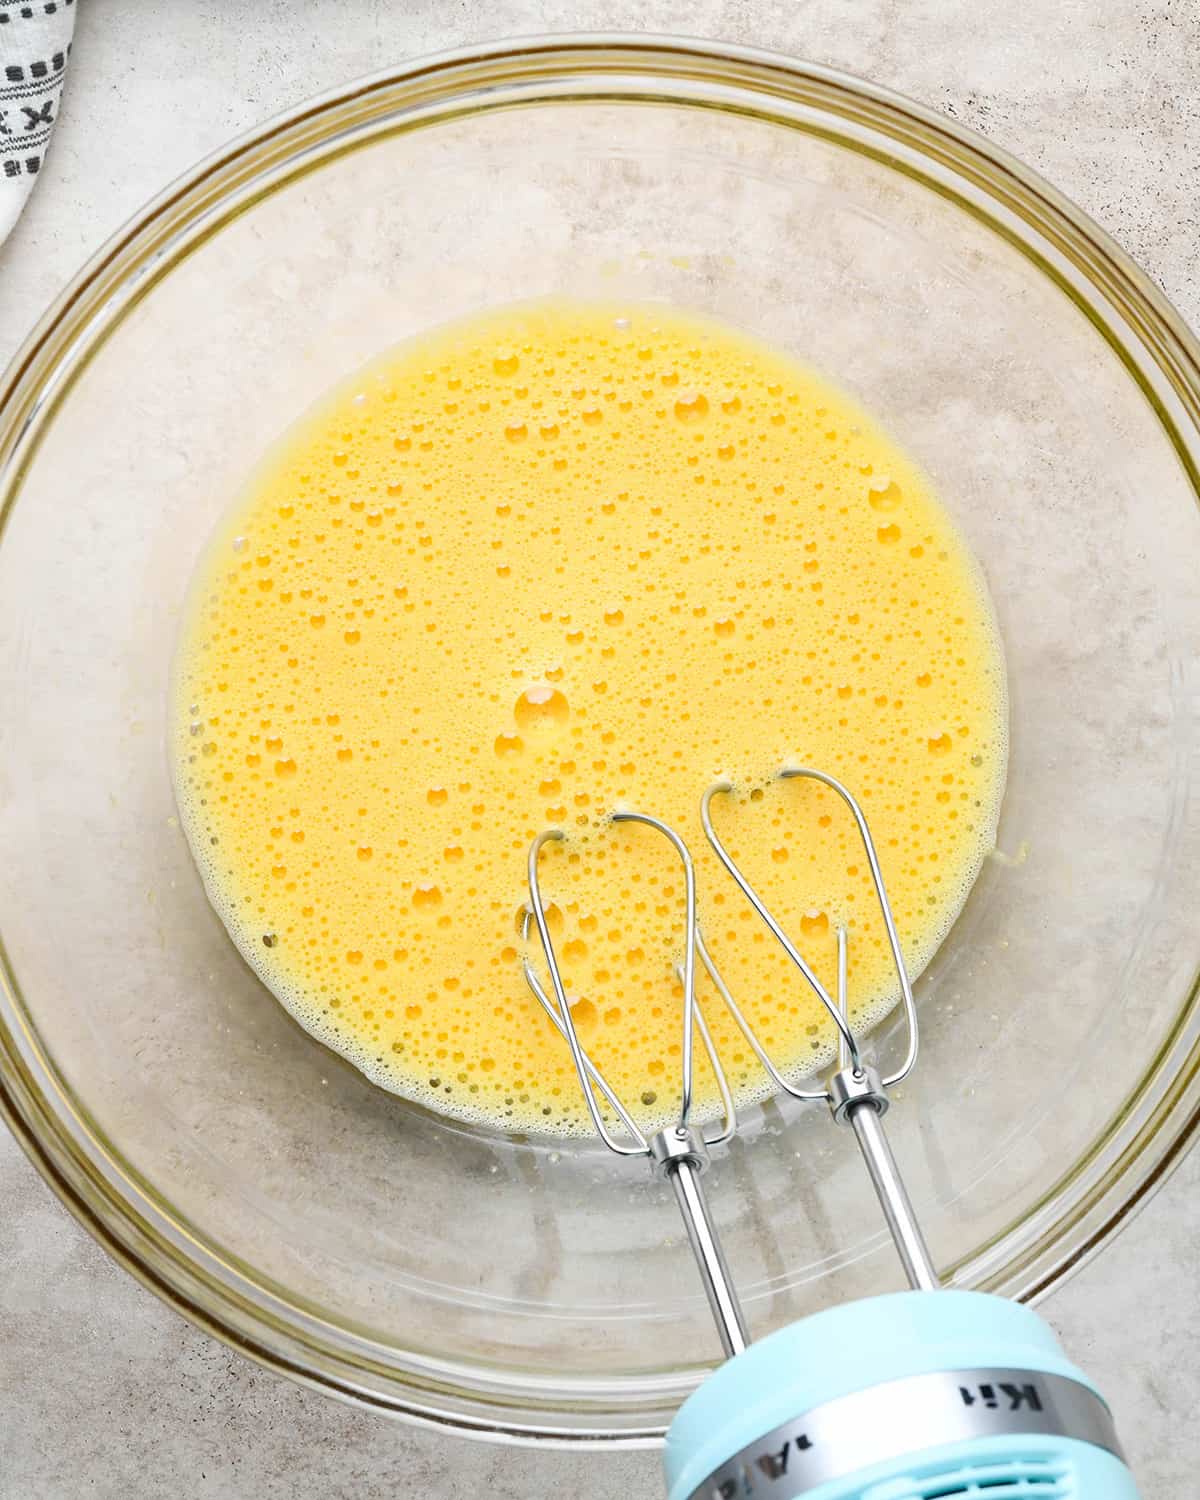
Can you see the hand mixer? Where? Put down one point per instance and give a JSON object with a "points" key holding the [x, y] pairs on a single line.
{"points": [[915, 1395]]}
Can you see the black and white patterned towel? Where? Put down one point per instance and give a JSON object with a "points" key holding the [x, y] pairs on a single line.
{"points": [[35, 42]]}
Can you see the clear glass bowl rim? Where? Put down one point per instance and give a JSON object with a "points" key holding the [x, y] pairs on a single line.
{"points": [[1147, 1136]]}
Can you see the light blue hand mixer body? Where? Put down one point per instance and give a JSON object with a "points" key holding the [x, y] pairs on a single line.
{"points": [[929, 1394]]}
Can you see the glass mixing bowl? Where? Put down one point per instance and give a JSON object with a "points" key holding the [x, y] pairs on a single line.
{"points": [[253, 1178]]}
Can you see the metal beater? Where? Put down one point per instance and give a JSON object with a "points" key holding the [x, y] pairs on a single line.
{"points": [[901, 1397]]}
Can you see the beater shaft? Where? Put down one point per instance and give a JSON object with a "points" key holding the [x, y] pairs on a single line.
{"points": [[858, 1098], [684, 1177], [893, 1198]]}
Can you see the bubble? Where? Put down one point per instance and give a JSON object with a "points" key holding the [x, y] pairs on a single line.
{"points": [[584, 1014], [888, 534], [506, 363], [814, 923], [692, 407], [613, 615], [940, 744], [541, 705], [507, 745], [550, 910], [436, 796], [884, 495], [725, 626], [516, 432], [426, 896]]}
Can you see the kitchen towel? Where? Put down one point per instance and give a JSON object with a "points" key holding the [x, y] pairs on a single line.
{"points": [[35, 42]]}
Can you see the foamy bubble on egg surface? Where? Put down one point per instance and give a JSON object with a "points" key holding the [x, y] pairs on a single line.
{"points": [[526, 570]]}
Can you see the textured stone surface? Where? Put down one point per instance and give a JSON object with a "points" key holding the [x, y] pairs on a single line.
{"points": [[103, 1390]]}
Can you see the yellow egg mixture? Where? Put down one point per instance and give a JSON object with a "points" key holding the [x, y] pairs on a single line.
{"points": [[526, 570]]}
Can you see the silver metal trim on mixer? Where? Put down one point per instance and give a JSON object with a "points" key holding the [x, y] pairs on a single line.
{"points": [[844, 1436]]}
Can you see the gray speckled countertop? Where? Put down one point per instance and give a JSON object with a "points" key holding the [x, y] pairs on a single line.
{"points": [[103, 1390]]}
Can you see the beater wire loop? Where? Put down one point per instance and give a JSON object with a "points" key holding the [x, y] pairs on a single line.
{"points": [[836, 1009], [558, 1007]]}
